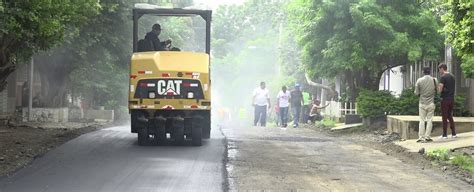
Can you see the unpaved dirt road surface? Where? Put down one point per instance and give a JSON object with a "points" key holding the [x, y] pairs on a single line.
{"points": [[272, 159], [110, 160]]}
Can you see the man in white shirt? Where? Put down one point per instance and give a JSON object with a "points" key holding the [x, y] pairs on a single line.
{"points": [[283, 102], [261, 101]]}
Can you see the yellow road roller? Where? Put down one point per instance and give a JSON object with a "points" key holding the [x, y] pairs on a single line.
{"points": [[170, 91]]}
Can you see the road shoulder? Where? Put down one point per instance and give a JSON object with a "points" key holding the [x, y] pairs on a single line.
{"points": [[409, 151], [20, 144]]}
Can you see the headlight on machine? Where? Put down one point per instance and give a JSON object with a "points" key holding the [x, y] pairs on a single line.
{"points": [[190, 95], [151, 95]]}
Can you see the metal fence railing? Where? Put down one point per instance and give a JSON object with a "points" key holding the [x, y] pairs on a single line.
{"points": [[339, 109]]}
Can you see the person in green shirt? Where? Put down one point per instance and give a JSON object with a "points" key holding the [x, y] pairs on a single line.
{"points": [[306, 105], [242, 113]]}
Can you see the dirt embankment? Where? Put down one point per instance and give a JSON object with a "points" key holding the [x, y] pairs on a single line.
{"points": [[379, 139], [19, 145]]}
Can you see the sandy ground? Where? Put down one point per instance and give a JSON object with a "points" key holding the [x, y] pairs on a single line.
{"points": [[273, 159]]}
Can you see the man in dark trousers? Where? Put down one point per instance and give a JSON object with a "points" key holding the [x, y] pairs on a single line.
{"points": [[296, 100], [447, 88], [152, 36]]}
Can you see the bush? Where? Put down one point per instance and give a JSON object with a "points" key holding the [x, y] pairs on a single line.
{"points": [[372, 104], [326, 123], [460, 106], [111, 104], [407, 103], [441, 154], [380, 103]]}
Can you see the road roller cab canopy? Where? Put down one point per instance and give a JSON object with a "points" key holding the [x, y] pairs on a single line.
{"points": [[147, 9]]}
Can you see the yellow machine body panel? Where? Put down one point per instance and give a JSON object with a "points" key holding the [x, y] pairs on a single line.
{"points": [[170, 80]]}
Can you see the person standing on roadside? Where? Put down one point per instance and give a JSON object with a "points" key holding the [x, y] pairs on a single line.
{"points": [[283, 102], [296, 99], [425, 88], [306, 105], [261, 102], [447, 88]]}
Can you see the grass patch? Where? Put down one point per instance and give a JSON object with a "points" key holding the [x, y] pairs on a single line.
{"points": [[272, 124], [443, 155], [326, 123], [463, 161]]}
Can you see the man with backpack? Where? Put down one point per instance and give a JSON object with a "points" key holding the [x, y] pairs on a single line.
{"points": [[296, 101]]}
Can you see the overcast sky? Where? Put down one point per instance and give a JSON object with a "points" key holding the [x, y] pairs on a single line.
{"points": [[214, 3]]}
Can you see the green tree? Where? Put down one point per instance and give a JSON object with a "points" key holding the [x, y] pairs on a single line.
{"points": [[94, 63], [91, 63], [361, 39], [459, 28], [27, 27]]}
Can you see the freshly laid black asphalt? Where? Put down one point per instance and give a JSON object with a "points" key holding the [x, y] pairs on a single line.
{"points": [[111, 160]]}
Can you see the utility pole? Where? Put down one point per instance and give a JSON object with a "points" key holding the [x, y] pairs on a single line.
{"points": [[448, 57], [30, 90], [280, 34]]}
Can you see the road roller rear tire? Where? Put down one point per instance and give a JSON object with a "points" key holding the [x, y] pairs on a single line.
{"points": [[178, 131], [160, 131], [143, 137], [197, 131]]}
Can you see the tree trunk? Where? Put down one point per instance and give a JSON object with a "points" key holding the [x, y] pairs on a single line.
{"points": [[53, 82], [7, 66], [351, 82], [318, 85]]}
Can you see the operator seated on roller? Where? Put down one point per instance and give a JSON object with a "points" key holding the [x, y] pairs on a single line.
{"points": [[156, 44]]}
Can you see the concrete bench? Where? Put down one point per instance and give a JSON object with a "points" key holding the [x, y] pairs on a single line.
{"points": [[407, 126]]}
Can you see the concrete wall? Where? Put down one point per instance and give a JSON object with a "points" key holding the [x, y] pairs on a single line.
{"points": [[59, 115], [47, 114], [76, 114], [106, 115], [3, 101], [407, 126]]}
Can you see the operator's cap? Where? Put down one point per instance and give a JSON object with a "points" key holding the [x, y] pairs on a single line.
{"points": [[158, 26], [297, 85]]}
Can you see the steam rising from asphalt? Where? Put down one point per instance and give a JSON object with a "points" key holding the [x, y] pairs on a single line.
{"points": [[234, 82]]}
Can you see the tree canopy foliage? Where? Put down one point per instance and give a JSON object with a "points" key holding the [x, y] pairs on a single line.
{"points": [[27, 27], [459, 28], [363, 38], [93, 65], [356, 40]]}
